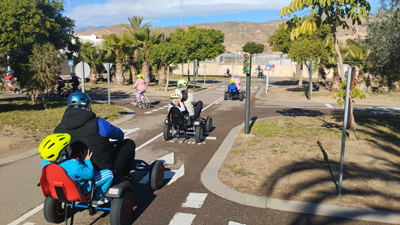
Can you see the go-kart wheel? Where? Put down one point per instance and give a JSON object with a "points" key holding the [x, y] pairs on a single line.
{"points": [[157, 175], [167, 132], [198, 134], [208, 124], [121, 209], [226, 96], [53, 210], [241, 96]]}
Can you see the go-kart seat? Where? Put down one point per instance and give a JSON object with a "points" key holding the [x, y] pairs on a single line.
{"points": [[176, 117], [232, 88], [56, 183]]}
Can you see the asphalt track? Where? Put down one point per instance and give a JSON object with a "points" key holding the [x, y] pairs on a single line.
{"points": [[22, 200]]}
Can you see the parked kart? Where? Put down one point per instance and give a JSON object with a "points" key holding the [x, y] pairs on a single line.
{"points": [[232, 92], [62, 193], [177, 123]]}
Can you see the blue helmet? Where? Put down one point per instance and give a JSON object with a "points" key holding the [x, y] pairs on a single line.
{"points": [[8, 71], [79, 100]]}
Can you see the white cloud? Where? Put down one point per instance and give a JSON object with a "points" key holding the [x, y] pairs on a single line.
{"points": [[117, 11]]}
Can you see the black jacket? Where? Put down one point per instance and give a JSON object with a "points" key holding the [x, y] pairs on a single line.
{"points": [[84, 130]]}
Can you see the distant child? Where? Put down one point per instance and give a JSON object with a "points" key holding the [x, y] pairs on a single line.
{"points": [[175, 101], [141, 86], [10, 82], [237, 81], [77, 164], [232, 86]]}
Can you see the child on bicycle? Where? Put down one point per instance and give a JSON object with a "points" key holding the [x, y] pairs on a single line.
{"points": [[61, 85], [77, 164], [10, 82], [140, 84]]}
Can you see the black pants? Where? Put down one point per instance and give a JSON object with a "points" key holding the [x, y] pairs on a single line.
{"points": [[197, 110], [124, 154]]}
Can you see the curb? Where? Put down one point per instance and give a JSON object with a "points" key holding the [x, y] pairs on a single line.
{"points": [[35, 151], [209, 178]]}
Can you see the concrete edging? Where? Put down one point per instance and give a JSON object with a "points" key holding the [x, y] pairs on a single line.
{"points": [[24, 155], [209, 178]]}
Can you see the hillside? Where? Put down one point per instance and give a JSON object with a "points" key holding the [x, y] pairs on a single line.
{"points": [[256, 32]]}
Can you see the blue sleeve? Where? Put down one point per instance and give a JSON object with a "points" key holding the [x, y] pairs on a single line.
{"points": [[84, 170], [44, 162], [106, 129]]}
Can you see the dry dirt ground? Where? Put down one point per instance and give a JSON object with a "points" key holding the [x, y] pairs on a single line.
{"points": [[304, 166]]}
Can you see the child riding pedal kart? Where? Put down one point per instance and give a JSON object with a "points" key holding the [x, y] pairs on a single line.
{"points": [[234, 89], [67, 178], [178, 121]]}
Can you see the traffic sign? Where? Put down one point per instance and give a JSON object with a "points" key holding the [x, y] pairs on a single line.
{"points": [[107, 66], [81, 69], [70, 62]]}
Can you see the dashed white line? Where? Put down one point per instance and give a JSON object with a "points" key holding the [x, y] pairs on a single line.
{"points": [[182, 219], [194, 200], [329, 105], [27, 215], [235, 223], [29, 223]]}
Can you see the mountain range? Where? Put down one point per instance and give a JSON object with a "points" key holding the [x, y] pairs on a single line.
{"points": [[251, 32]]}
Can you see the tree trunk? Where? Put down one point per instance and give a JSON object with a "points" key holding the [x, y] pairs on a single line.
{"points": [[301, 75], [120, 78], [297, 71], [133, 71], [321, 79], [353, 128], [161, 74], [44, 102], [368, 82], [383, 85], [113, 78], [188, 69], [145, 71], [337, 50], [167, 83], [360, 81], [336, 80], [93, 78]]}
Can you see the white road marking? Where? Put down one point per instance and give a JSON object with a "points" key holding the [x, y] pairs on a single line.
{"points": [[169, 174], [174, 174], [182, 219], [97, 101], [192, 136], [148, 142], [29, 223], [213, 103], [235, 223], [126, 132], [329, 105], [168, 159], [194, 200], [27, 215]]}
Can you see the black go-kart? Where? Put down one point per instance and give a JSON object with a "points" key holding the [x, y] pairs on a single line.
{"points": [[62, 193], [232, 92], [176, 124]]}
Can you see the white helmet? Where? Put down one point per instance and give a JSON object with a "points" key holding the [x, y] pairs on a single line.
{"points": [[235, 75]]}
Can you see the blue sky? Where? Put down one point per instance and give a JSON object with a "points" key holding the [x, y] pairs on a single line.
{"points": [[164, 13]]}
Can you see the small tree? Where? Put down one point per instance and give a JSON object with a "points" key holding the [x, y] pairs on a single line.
{"points": [[253, 48], [44, 64]]}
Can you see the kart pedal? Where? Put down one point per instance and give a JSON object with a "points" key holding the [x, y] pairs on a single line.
{"points": [[92, 210]]}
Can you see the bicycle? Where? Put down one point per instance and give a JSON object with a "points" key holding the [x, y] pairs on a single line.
{"points": [[65, 92], [142, 102], [4, 87]]}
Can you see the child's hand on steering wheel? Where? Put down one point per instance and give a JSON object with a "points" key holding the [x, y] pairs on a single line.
{"points": [[88, 154]]}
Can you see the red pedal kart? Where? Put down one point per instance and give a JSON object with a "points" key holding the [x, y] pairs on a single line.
{"points": [[62, 193]]}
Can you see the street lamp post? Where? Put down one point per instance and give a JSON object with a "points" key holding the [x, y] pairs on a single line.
{"points": [[240, 34], [8, 62], [245, 35], [69, 9]]}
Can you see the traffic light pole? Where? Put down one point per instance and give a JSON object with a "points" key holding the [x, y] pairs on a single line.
{"points": [[247, 71]]}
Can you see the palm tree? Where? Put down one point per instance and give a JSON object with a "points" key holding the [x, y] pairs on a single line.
{"points": [[145, 40], [357, 55], [91, 54], [132, 54], [115, 45]]}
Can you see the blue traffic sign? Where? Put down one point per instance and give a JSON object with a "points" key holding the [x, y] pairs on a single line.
{"points": [[70, 62]]}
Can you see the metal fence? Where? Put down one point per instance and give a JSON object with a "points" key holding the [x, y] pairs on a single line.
{"points": [[256, 59]]}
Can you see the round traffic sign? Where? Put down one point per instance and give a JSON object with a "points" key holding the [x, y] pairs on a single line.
{"points": [[82, 68]]}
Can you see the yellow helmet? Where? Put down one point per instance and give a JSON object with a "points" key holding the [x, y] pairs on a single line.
{"points": [[174, 96], [232, 81], [139, 76], [53, 145], [182, 83]]}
